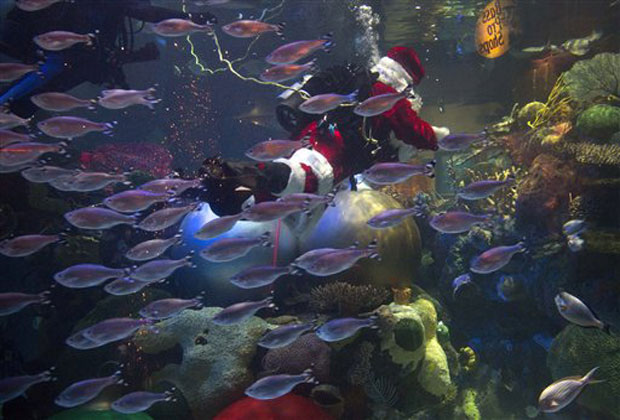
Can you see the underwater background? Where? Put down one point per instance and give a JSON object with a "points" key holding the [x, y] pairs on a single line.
{"points": [[497, 283]]}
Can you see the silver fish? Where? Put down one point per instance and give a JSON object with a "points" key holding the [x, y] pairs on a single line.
{"points": [[217, 226], [21, 153], [295, 51], [87, 275], [15, 386], [13, 169], [66, 127], [259, 276], [343, 328], [283, 72], [461, 141], [284, 335], [8, 120], [459, 282], [60, 102], [176, 185], [150, 249], [456, 221], [178, 27], [84, 391], [268, 211], [35, 5], [275, 386], [311, 200], [378, 104], [131, 201], [13, 71], [483, 189], [575, 243], [340, 260], [126, 286], [390, 218], [166, 308], [241, 311], [251, 28], [9, 137], [63, 182], [267, 151], [309, 258], [387, 173], [97, 218], [46, 173], [61, 40], [228, 249], [159, 269], [320, 104], [93, 181], [574, 227], [575, 311], [121, 98], [136, 402], [79, 342], [495, 258], [564, 391], [25, 245], [164, 218], [114, 329], [11, 303]]}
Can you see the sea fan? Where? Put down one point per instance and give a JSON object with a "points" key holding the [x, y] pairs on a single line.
{"points": [[597, 77], [382, 391]]}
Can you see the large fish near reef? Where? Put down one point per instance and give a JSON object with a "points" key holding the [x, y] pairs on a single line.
{"points": [[457, 142], [8, 120], [284, 335], [68, 128], [575, 311], [9, 137], [164, 218], [11, 303], [139, 401], [328, 262], [35, 5], [390, 218], [259, 276], [320, 104], [495, 258], [241, 311], [295, 51], [283, 72], [166, 308], [387, 173], [97, 218], [13, 71], [252, 28], [228, 249], [87, 275], [84, 391], [60, 102], [152, 248], [15, 386], [564, 391], [343, 328], [378, 104], [456, 221], [122, 98], [268, 211], [25, 245], [176, 185], [218, 226], [275, 386], [159, 269], [267, 151], [483, 189], [132, 201], [178, 27], [46, 173], [61, 40], [21, 153], [114, 329]]}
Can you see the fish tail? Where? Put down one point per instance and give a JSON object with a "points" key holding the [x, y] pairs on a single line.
{"points": [[587, 379], [265, 239], [45, 297], [109, 127], [329, 42], [595, 35], [429, 169], [90, 39], [280, 29], [313, 67], [373, 321], [352, 97]]}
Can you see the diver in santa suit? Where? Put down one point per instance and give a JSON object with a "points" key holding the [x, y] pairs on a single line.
{"points": [[341, 143]]}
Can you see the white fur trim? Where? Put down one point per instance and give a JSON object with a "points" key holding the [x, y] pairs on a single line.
{"points": [[440, 132], [319, 165], [392, 74]]}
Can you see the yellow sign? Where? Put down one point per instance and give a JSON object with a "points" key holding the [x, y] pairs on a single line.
{"points": [[492, 30]]}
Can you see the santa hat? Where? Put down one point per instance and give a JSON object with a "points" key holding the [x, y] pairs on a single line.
{"points": [[409, 61]]}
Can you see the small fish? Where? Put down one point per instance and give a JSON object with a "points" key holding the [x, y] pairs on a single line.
{"points": [[15, 386], [13, 71], [459, 282], [342, 328], [97, 218], [340, 260], [495, 258], [377, 105], [241, 311], [61, 40], [87, 275], [179, 27], [574, 227], [309, 258], [35, 5], [159, 269], [136, 402], [267, 151], [284, 335], [66, 127], [387, 173], [176, 185], [483, 189], [390, 218], [166, 308], [575, 243], [275, 386], [228, 249], [114, 329], [93, 181], [164, 218], [575, 311], [46, 173], [20, 153], [268, 211], [456, 142], [9, 120], [562, 392], [252, 28], [11, 303], [9, 137], [84, 391], [456, 221], [218, 226], [311, 200], [320, 104], [295, 51], [131, 201], [126, 286], [121, 98], [259, 276], [79, 342], [150, 249], [283, 72], [60, 102], [581, 46], [25, 245]]}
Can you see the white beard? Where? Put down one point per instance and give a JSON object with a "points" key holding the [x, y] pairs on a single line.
{"points": [[394, 75]]}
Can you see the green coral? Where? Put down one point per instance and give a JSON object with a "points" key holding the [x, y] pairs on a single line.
{"points": [[528, 113], [86, 414], [469, 407], [575, 351], [599, 121], [595, 78], [409, 334]]}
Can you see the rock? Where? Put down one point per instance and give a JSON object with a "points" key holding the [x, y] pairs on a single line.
{"points": [[528, 113], [599, 121], [215, 368]]}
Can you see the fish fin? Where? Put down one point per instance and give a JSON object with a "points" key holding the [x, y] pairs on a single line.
{"points": [[91, 38], [314, 67], [429, 169], [588, 376], [280, 29], [329, 42]]}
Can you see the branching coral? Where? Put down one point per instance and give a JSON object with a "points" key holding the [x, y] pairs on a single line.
{"points": [[360, 371], [590, 154], [345, 298], [596, 78]]}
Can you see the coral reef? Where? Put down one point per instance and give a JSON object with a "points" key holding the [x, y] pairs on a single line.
{"points": [[360, 371], [587, 153], [469, 406], [599, 121], [575, 351], [527, 114], [346, 299], [216, 359], [289, 406], [596, 78]]}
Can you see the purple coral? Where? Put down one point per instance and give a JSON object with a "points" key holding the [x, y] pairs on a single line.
{"points": [[308, 350]]}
